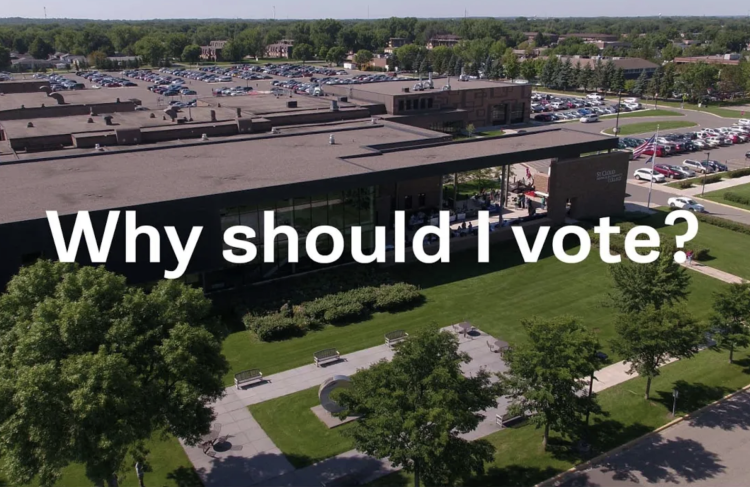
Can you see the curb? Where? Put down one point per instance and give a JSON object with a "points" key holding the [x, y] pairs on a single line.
{"points": [[554, 481], [721, 204]]}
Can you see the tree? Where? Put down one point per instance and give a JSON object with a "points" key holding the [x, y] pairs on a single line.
{"points": [[4, 57], [151, 49], [335, 55], [599, 75], [576, 77], [547, 77], [363, 57], [303, 52], [608, 75], [698, 78], [98, 59], [413, 409], [528, 69], [90, 368], [659, 284], [511, 65], [587, 77], [641, 83], [233, 51], [730, 322], [545, 374], [654, 84], [175, 44], [540, 40], [40, 49], [564, 76], [618, 80], [649, 337], [191, 53]]}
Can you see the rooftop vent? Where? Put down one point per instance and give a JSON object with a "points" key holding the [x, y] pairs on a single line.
{"points": [[274, 130], [331, 140], [29, 125], [204, 137], [91, 120], [291, 104], [107, 120], [98, 147], [334, 106], [405, 89]]}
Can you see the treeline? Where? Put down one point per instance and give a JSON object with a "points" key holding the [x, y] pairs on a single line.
{"points": [[649, 36]]}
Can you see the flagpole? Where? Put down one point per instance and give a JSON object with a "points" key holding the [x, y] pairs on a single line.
{"points": [[653, 161]]}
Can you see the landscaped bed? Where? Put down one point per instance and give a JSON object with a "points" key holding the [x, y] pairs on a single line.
{"points": [[650, 127]]}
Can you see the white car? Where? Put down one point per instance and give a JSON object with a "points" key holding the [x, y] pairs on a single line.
{"points": [[744, 121], [592, 117], [686, 204], [645, 174]]}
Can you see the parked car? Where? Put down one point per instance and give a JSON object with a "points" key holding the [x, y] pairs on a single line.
{"points": [[543, 117], [591, 117], [698, 166], [685, 203], [717, 166], [667, 171], [684, 170], [648, 175]]}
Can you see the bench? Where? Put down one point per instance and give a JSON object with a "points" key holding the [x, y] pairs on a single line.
{"points": [[507, 419], [247, 376], [328, 355], [394, 337]]}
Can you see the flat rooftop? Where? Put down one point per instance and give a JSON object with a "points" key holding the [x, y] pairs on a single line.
{"points": [[73, 97], [75, 124], [395, 87], [122, 179]]}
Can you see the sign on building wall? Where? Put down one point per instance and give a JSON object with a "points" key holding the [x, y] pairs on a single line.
{"points": [[610, 176]]}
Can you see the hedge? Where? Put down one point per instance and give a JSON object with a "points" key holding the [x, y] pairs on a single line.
{"points": [[737, 198], [334, 309], [701, 254], [738, 173]]}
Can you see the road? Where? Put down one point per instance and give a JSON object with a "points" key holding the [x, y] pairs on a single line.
{"points": [[708, 450]]}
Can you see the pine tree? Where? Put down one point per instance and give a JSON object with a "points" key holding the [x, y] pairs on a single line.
{"points": [[654, 84], [576, 76], [608, 76], [667, 81], [598, 74], [618, 81], [548, 72], [640, 83], [587, 77], [564, 73], [452, 66]]}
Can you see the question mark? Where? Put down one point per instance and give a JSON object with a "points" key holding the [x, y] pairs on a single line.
{"points": [[692, 231]]}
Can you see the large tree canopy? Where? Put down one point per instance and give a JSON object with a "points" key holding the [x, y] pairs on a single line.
{"points": [[413, 409], [90, 367]]}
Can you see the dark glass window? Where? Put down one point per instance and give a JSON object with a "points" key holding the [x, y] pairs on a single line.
{"points": [[401, 105], [407, 202], [429, 102], [422, 199]]}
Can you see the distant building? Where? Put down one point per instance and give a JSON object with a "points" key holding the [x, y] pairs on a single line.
{"points": [[394, 43], [726, 59], [447, 40], [551, 38], [212, 52], [28, 63], [589, 37], [281, 49], [631, 66], [602, 45]]}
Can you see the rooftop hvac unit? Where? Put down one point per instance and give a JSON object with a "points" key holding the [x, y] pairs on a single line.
{"points": [[405, 89], [204, 137], [291, 104]]}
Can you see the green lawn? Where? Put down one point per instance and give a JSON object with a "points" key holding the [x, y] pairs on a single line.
{"points": [[167, 465], [298, 433], [728, 249], [712, 108], [490, 133], [470, 188], [520, 461], [648, 127], [646, 113], [718, 196], [494, 297]]}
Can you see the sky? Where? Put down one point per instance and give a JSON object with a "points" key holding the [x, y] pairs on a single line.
{"points": [[360, 9]]}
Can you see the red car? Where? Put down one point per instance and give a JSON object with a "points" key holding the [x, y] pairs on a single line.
{"points": [[667, 171], [660, 151]]}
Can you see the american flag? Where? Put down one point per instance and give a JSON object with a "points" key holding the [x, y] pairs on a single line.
{"points": [[650, 144]]}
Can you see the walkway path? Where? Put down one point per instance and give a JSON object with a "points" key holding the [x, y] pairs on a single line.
{"points": [[723, 184], [715, 273]]}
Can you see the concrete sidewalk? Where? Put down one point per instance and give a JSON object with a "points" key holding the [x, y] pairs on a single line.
{"points": [[723, 184], [715, 273]]}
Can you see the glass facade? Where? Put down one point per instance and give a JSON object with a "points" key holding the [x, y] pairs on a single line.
{"points": [[340, 209]]}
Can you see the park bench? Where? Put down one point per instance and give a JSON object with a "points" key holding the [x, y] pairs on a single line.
{"points": [[394, 337], [247, 376], [507, 419], [327, 355]]}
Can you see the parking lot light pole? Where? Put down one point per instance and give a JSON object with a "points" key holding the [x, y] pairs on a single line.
{"points": [[617, 119], [675, 394], [705, 172]]}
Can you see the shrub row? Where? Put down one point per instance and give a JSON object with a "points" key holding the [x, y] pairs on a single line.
{"points": [[737, 198], [339, 309], [738, 173], [722, 223]]}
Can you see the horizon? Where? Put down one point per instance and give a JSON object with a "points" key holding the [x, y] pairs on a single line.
{"points": [[141, 10]]}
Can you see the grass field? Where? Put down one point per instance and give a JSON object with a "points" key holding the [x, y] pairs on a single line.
{"points": [[166, 466], [711, 108], [718, 196], [298, 433], [494, 297], [520, 461], [648, 127], [727, 247], [646, 113]]}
